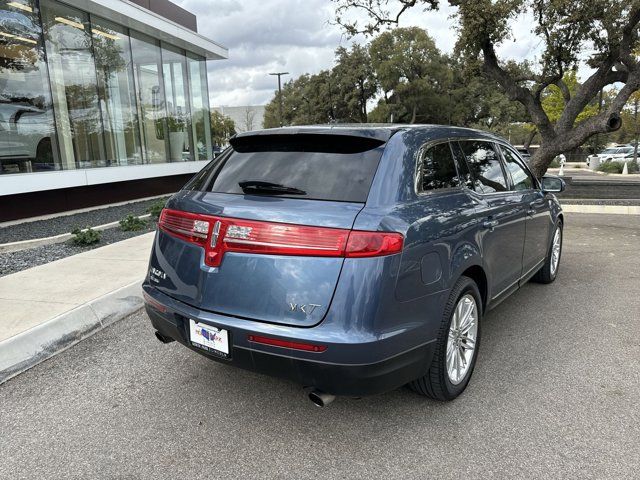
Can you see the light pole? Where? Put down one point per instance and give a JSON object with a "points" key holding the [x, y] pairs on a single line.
{"points": [[279, 74]]}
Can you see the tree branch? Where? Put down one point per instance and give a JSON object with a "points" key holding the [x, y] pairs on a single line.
{"points": [[566, 93], [376, 12], [604, 75], [517, 92]]}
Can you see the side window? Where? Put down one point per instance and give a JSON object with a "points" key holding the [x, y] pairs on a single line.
{"points": [[437, 169], [521, 178], [464, 174], [485, 166]]}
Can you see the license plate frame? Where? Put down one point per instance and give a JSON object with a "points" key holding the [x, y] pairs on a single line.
{"points": [[214, 340]]}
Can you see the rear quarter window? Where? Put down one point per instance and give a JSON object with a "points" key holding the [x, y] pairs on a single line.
{"points": [[437, 168], [324, 167]]}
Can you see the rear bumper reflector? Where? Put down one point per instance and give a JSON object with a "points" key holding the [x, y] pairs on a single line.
{"points": [[218, 235], [276, 342], [153, 303]]}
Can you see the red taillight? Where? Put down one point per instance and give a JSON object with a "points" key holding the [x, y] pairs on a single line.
{"points": [[188, 226], [221, 234], [283, 239], [276, 342], [373, 244]]}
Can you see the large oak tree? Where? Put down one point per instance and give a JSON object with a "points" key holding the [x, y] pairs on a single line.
{"points": [[602, 34]]}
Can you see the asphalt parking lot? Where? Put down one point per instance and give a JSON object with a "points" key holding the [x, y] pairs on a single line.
{"points": [[555, 394]]}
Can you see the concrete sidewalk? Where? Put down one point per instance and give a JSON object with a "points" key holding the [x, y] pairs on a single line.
{"points": [[48, 308]]}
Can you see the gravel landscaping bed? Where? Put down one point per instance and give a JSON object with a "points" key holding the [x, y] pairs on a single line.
{"points": [[67, 223], [16, 261]]}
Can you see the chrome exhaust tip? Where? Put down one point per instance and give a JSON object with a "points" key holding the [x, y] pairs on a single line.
{"points": [[163, 338], [321, 399]]}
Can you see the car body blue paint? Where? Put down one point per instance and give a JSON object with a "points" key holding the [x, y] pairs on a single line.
{"points": [[371, 309]]}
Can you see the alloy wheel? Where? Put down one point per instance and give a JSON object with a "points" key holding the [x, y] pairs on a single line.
{"points": [[461, 341], [555, 251]]}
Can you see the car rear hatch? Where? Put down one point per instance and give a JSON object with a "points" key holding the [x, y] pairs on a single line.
{"points": [[262, 232]]}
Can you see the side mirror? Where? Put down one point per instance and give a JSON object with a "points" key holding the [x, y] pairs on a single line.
{"points": [[553, 184]]}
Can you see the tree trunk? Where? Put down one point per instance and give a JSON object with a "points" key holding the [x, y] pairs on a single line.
{"points": [[541, 159], [635, 129], [413, 115], [529, 139]]}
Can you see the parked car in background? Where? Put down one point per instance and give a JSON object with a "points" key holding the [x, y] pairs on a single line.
{"points": [[353, 260], [25, 138], [609, 154], [631, 156]]}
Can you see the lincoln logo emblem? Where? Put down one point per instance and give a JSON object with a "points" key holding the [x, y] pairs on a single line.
{"points": [[306, 309], [215, 234]]}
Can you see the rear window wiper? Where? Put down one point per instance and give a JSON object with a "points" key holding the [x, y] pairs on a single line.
{"points": [[257, 186]]}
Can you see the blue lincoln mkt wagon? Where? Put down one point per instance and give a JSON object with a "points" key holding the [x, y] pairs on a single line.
{"points": [[351, 259]]}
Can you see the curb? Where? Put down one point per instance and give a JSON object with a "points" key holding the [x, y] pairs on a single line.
{"points": [[608, 209], [29, 348], [63, 237]]}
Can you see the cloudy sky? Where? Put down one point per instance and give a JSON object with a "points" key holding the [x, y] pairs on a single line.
{"points": [[297, 36]]}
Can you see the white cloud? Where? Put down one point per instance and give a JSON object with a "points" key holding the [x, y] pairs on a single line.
{"points": [[297, 36]]}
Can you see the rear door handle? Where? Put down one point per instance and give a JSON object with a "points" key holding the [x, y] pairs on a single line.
{"points": [[490, 224]]}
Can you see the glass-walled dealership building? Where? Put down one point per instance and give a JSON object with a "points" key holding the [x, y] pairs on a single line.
{"points": [[107, 93]]}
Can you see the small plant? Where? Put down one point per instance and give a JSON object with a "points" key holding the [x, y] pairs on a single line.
{"points": [[611, 167], [175, 124], [88, 236], [554, 164], [156, 208], [131, 223]]}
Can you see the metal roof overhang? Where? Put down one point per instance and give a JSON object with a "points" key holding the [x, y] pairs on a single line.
{"points": [[145, 21]]}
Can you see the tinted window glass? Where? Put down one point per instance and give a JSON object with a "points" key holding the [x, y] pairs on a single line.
{"points": [[332, 167], [464, 174], [437, 168], [485, 166], [27, 134], [521, 178]]}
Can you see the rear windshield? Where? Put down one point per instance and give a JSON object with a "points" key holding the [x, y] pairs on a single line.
{"points": [[317, 167]]}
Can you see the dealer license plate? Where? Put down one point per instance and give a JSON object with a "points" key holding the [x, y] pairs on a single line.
{"points": [[209, 338]]}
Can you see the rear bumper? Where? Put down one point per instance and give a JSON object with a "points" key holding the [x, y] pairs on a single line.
{"points": [[306, 368]]}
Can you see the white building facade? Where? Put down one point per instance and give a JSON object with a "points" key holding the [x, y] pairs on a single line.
{"points": [[108, 93]]}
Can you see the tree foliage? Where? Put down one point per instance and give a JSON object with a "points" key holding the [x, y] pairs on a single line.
{"points": [[413, 75], [554, 100], [600, 34], [411, 79], [337, 95], [222, 128], [355, 83]]}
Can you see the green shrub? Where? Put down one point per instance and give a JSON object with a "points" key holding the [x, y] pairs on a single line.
{"points": [[131, 223], [632, 166], [554, 164], [88, 236], [156, 208], [611, 167]]}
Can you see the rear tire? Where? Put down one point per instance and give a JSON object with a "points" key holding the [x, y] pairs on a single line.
{"points": [[442, 382], [549, 271]]}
